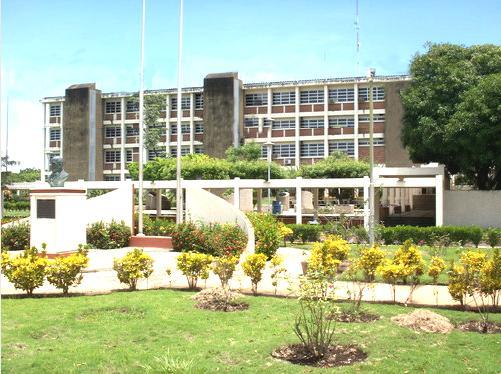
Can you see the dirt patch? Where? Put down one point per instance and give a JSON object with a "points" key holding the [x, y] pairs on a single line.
{"points": [[424, 320], [478, 326], [338, 355], [218, 299], [111, 313], [349, 317]]}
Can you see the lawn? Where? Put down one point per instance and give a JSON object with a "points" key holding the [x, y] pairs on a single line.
{"points": [[154, 330], [447, 253]]}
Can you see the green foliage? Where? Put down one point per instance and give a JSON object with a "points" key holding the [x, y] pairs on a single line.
{"points": [[26, 271], [108, 235], [64, 272], [133, 266], [194, 265], [436, 267], [493, 236], [410, 259], [24, 175], [267, 232], [16, 237], [253, 267], [451, 110], [224, 267], [306, 233], [158, 226], [326, 256], [337, 165], [16, 205], [369, 260], [246, 152]]}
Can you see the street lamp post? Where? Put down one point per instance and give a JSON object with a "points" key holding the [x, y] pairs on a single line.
{"points": [[179, 191], [141, 124], [371, 75], [269, 151]]}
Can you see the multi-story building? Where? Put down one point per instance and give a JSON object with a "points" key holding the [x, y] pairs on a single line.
{"points": [[98, 134]]}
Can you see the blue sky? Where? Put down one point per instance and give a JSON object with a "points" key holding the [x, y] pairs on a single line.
{"points": [[51, 44]]}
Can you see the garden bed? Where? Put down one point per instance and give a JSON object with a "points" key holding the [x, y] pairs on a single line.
{"points": [[338, 355]]}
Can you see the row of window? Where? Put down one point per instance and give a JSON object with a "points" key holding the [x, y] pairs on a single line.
{"points": [[113, 156], [312, 123], [336, 95], [114, 131], [132, 106]]}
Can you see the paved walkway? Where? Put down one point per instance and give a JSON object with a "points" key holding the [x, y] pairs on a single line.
{"points": [[100, 277]]}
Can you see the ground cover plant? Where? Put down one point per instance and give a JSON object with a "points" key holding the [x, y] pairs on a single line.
{"points": [[164, 331]]}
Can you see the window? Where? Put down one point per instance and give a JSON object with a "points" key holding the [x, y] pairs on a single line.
{"points": [[128, 155], [185, 128], [341, 122], [256, 99], [111, 177], [365, 118], [132, 131], [312, 123], [284, 150], [184, 151], [347, 147], [312, 149], [112, 132], [365, 142], [185, 102], [199, 127], [55, 110], [312, 96], [199, 149], [112, 107], [254, 122], [132, 106], [199, 101], [341, 95], [111, 156], [280, 98], [284, 124], [264, 151], [377, 93], [55, 134], [154, 153]]}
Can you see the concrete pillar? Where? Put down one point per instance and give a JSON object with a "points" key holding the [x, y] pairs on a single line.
{"points": [[299, 215], [192, 122], [355, 129], [326, 123], [366, 202], [122, 139], [236, 193], [167, 125], [259, 199], [439, 200], [298, 119], [315, 198], [158, 202]]}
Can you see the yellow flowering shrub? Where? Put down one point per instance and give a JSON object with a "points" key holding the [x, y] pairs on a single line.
{"points": [[369, 261], [391, 272], [285, 232], [490, 277], [325, 257], [224, 267], [473, 260], [64, 272], [409, 257], [253, 267], [133, 266], [436, 267], [25, 271], [194, 265]]}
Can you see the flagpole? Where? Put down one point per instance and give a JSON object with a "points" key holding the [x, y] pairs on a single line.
{"points": [[141, 124], [179, 191]]}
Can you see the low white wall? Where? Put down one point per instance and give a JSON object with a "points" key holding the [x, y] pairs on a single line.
{"points": [[465, 208], [115, 205], [203, 206]]}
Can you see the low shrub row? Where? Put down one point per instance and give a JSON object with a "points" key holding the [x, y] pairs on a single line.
{"points": [[305, 233], [16, 205], [108, 235]]}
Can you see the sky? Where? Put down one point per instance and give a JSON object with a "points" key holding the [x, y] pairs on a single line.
{"points": [[48, 45]]}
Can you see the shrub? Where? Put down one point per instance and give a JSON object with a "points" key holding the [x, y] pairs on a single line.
{"points": [[223, 240], [391, 272], [224, 267], [158, 227], [307, 233], [491, 277], [369, 261], [436, 267], [187, 237], [25, 271], [253, 267], [286, 232], [64, 272], [457, 285], [360, 234], [108, 235], [133, 266], [267, 232], [493, 236], [409, 258], [277, 271], [16, 237], [325, 257], [194, 265]]}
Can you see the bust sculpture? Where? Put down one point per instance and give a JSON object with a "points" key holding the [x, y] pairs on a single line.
{"points": [[57, 176]]}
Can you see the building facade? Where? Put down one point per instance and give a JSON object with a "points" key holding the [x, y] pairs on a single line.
{"points": [[98, 133]]}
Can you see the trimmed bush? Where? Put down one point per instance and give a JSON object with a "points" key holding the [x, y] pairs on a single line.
{"points": [[306, 233], [188, 238], [133, 266], [267, 232], [25, 271], [369, 261], [325, 257], [253, 267], [223, 240], [16, 237], [108, 235], [493, 236], [64, 272], [194, 265], [17, 205], [224, 268]]}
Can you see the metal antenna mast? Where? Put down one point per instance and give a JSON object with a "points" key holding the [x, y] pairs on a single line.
{"points": [[357, 30]]}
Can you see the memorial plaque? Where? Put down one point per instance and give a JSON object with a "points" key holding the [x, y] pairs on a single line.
{"points": [[46, 208]]}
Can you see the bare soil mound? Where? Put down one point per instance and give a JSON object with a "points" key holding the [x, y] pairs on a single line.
{"points": [[219, 299], [424, 320], [338, 355], [478, 326]]}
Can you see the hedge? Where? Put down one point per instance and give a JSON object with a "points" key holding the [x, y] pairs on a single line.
{"points": [[305, 233], [16, 237]]}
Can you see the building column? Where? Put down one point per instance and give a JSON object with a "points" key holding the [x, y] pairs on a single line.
{"points": [[122, 139], [270, 101], [439, 200], [297, 133], [45, 144], [62, 131], [299, 203], [259, 199], [326, 121], [192, 122], [355, 126], [236, 192], [158, 202]]}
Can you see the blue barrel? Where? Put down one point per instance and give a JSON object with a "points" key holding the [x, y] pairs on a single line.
{"points": [[276, 207]]}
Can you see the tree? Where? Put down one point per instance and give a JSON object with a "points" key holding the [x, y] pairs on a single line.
{"points": [[246, 152], [441, 80], [6, 162]]}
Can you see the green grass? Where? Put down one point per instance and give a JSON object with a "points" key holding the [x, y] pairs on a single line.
{"points": [[447, 253], [128, 332]]}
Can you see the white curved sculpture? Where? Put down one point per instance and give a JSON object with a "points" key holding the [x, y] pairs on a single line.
{"points": [[203, 206]]}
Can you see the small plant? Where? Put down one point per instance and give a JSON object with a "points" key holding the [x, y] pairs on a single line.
{"points": [[25, 271], [16, 237], [267, 232], [391, 273], [409, 258], [286, 232], [277, 271], [133, 266], [168, 271], [326, 256], [64, 272], [253, 267], [224, 268], [493, 236], [108, 235], [369, 261], [436, 267], [194, 265]]}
